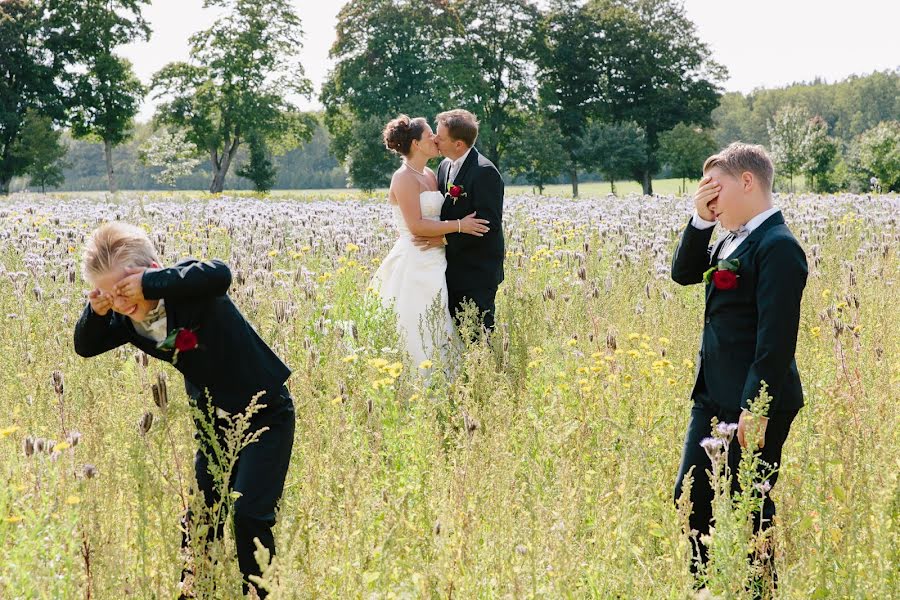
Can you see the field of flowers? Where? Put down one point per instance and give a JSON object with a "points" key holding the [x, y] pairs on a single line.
{"points": [[544, 469]]}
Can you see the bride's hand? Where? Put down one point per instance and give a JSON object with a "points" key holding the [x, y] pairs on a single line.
{"points": [[474, 226]]}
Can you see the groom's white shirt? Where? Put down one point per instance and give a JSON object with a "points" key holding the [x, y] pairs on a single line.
{"points": [[456, 165], [701, 223]]}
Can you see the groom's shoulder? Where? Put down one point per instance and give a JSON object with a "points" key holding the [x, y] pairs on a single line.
{"points": [[485, 164]]}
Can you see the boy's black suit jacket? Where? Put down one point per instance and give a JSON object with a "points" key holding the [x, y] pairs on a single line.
{"points": [[231, 361], [474, 262], [749, 333]]}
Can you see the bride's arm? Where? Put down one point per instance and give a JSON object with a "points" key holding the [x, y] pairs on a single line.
{"points": [[406, 192]]}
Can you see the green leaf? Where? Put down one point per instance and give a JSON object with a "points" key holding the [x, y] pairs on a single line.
{"points": [[707, 276], [729, 264], [169, 342]]}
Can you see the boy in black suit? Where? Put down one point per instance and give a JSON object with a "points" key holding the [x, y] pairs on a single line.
{"points": [[751, 319], [183, 315]]}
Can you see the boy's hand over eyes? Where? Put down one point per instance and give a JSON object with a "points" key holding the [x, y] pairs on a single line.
{"points": [[100, 302], [130, 286]]}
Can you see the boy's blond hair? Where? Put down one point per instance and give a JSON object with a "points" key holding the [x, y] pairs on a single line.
{"points": [[116, 245], [738, 157]]}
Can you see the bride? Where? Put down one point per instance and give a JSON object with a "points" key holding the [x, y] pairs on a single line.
{"points": [[412, 279]]}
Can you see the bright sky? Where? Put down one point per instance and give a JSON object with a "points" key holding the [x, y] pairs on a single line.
{"points": [[764, 43]]}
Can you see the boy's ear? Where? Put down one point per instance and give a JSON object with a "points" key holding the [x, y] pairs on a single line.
{"points": [[747, 180]]}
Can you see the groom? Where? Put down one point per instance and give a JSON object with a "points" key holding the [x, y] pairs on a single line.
{"points": [[470, 183], [755, 279]]}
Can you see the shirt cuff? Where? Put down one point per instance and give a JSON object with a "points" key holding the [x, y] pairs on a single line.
{"points": [[701, 223]]}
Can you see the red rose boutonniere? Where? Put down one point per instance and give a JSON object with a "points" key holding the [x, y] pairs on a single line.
{"points": [[455, 191], [179, 340], [724, 275]]}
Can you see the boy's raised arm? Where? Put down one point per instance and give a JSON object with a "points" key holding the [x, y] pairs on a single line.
{"points": [[190, 279], [96, 334]]}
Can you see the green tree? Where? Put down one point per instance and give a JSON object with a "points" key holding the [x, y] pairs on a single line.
{"points": [[877, 155], [391, 57], [569, 50], [242, 70], [495, 56], [849, 107], [104, 93], [615, 150], [538, 154], [369, 164], [819, 151], [41, 146], [786, 135], [259, 169], [29, 71], [684, 149], [655, 71], [172, 153]]}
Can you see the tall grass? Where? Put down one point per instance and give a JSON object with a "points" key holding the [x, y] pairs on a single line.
{"points": [[543, 468]]}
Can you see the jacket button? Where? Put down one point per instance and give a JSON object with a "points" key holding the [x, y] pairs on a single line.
{"points": [[707, 319]]}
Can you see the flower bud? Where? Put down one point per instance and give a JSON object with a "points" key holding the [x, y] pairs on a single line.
{"points": [[28, 445], [145, 423], [57, 379]]}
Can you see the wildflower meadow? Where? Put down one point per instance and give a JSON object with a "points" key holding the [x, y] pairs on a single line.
{"points": [[538, 465]]}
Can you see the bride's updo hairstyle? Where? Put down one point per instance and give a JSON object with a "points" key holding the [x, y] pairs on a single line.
{"points": [[400, 133]]}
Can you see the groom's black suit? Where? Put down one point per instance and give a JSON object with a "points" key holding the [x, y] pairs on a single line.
{"points": [[474, 264], [749, 336]]}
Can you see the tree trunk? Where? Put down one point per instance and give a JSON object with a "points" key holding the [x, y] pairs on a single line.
{"points": [[220, 168], [110, 175], [4, 186], [612, 186], [573, 176], [647, 183]]}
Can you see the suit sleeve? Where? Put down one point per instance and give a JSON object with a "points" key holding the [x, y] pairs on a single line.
{"points": [[691, 257], [190, 279], [779, 290], [488, 202], [95, 334]]}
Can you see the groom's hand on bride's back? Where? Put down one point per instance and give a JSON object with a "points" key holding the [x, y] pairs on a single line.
{"points": [[429, 242]]}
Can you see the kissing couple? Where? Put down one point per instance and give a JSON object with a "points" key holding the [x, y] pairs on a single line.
{"points": [[449, 251]]}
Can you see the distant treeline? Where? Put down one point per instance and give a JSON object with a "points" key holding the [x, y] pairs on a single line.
{"points": [[850, 108], [309, 166]]}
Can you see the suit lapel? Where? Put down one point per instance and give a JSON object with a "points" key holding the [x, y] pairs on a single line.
{"points": [[443, 171], [746, 245], [471, 159]]}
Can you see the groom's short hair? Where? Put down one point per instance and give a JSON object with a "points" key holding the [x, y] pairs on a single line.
{"points": [[738, 157], [461, 124]]}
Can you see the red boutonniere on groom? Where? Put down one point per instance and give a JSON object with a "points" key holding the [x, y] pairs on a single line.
{"points": [[724, 275], [455, 191], [179, 340]]}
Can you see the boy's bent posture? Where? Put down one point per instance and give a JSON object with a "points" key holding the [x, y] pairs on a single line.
{"points": [[183, 315]]}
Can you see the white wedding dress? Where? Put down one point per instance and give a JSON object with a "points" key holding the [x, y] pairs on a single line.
{"points": [[412, 281]]}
